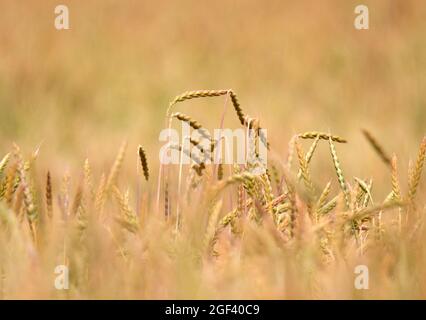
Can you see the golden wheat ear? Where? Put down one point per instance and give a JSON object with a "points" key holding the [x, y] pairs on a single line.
{"points": [[144, 162], [30, 208], [322, 136], [396, 190], [88, 180], [309, 155], [210, 93], [340, 176], [115, 169], [3, 163], [416, 172]]}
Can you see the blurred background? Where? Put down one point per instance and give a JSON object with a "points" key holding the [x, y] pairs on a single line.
{"points": [[296, 65]]}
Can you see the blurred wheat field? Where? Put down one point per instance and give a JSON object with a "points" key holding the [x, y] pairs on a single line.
{"points": [[71, 95]]}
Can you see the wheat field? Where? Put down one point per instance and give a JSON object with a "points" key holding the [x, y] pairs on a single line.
{"points": [[82, 185]]}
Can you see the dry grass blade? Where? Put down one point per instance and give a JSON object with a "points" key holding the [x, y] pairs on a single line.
{"points": [[377, 147]]}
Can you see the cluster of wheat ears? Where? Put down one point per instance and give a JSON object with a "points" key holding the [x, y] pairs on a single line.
{"points": [[197, 226]]}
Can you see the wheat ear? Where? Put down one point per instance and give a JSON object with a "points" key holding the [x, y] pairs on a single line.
{"points": [[309, 155], [210, 93], [396, 190], [322, 136], [3, 163], [115, 169], [30, 208], [88, 180], [339, 173], [49, 196], [324, 195], [304, 168], [144, 162], [78, 200], [128, 218], [377, 147], [100, 195], [10, 183], [416, 173]]}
